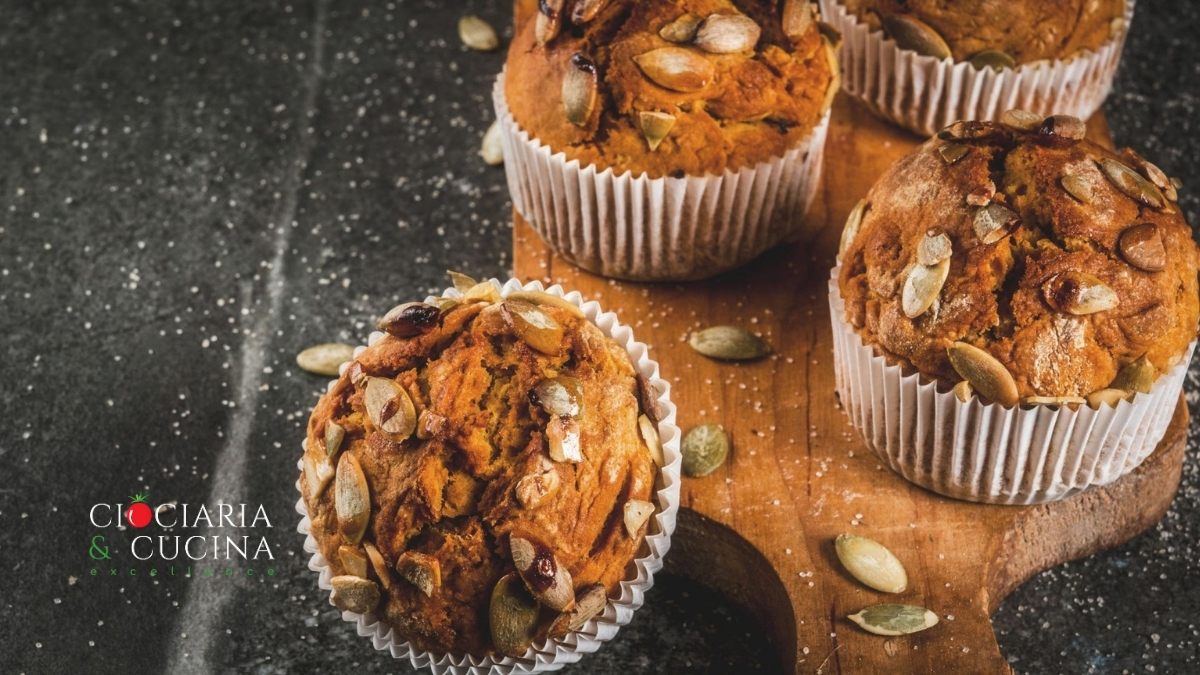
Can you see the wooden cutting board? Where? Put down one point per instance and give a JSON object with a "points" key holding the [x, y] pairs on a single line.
{"points": [[761, 528]]}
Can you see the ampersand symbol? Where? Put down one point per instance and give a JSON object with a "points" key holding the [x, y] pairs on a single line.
{"points": [[97, 551]]}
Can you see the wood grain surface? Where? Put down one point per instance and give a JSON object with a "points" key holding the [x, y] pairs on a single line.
{"points": [[760, 529]]}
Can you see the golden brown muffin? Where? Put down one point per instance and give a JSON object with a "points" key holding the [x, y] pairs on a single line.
{"points": [[1021, 30], [726, 88], [1068, 263], [471, 432]]}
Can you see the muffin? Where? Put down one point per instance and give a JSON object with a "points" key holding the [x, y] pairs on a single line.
{"points": [[924, 64], [1029, 274], [483, 476], [665, 139]]}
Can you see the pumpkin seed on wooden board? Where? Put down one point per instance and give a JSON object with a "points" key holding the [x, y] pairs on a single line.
{"points": [[993, 222], [352, 499], [324, 359], [676, 68], [1079, 293], [1131, 183], [850, 229], [704, 449], [1079, 186], [922, 287], [421, 570], [680, 30], [512, 616], [589, 601], [911, 33], [655, 126], [477, 33], [544, 576], [728, 343], [986, 374], [727, 34], [892, 620], [636, 513], [1142, 246], [871, 563], [992, 58], [354, 594], [1136, 376], [389, 408], [491, 148], [533, 326], [580, 89]]}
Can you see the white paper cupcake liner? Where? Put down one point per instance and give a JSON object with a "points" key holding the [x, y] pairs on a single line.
{"points": [[986, 452], [655, 229], [925, 94], [547, 654]]}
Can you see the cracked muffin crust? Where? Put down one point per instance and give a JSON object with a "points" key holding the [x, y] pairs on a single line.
{"points": [[669, 88], [480, 444], [998, 33], [1025, 260]]}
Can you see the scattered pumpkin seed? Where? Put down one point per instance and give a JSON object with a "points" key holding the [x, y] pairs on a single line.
{"points": [[1131, 183], [1078, 186], [676, 68], [952, 152], [986, 374], [935, 247], [892, 620], [352, 499], [850, 229], [549, 21], [1142, 246], [559, 396], [1107, 396], [993, 222], [1021, 120], [704, 449], [655, 126], [548, 300], [589, 601], [728, 343], [680, 30], [922, 287], [650, 436], [1061, 130], [798, 18], [491, 149], [1079, 293], [462, 283], [562, 435], [389, 408], [915, 35], [580, 89], [378, 564], [1136, 376], [727, 34], [421, 570], [533, 326], [1053, 400], [512, 616], [324, 359], [962, 391], [354, 594], [637, 512], [546, 579], [584, 11], [994, 59], [409, 319], [354, 563], [535, 488], [477, 33], [871, 563]]}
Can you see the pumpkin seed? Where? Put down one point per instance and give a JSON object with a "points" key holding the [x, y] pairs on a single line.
{"points": [[650, 436], [1142, 246], [549, 21], [512, 616], [377, 563], [389, 408], [655, 126], [680, 30], [1053, 400], [1131, 183], [648, 397], [1021, 120], [461, 282], [727, 34], [676, 68], [477, 33], [584, 11], [1060, 130], [334, 434], [893, 620], [993, 222], [982, 195], [1136, 376], [324, 359], [354, 594], [535, 488], [533, 326], [484, 291], [971, 130], [559, 396], [1106, 397], [850, 229], [952, 152], [871, 563], [915, 35], [409, 319], [352, 499], [993, 58], [354, 563], [589, 602], [421, 570], [548, 300], [637, 512], [546, 579], [831, 58], [562, 434], [935, 247], [318, 472], [580, 89], [491, 149], [430, 424], [1078, 186], [1155, 174], [1079, 293], [728, 343], [798, 18], [704, 449], [962, 391], [922, 286], [986, 374]]}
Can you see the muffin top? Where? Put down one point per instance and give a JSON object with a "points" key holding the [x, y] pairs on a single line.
{"points": [[668, 87], [998, 33], [493, 475], [1025, 260]]}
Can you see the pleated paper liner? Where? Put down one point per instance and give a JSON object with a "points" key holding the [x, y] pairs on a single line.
{"points": [[548, 654], [984, 452], [655, 229], [925, 94]]}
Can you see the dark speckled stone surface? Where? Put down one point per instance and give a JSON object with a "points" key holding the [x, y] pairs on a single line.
{"points": [[191, 192]]}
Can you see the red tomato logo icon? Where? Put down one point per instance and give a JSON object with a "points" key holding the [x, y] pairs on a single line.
{"points": [[138, 513]]}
